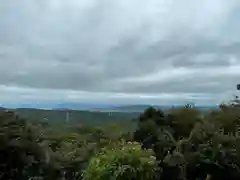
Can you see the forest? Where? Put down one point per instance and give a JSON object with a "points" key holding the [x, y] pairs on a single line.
{"points": [[181, 144]]}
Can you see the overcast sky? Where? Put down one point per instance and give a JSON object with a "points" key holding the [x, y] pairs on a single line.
{"points": [[119, 51]]}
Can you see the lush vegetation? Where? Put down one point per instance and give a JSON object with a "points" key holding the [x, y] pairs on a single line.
{"points": [[181, 144], [123, 161], [85, 117]]}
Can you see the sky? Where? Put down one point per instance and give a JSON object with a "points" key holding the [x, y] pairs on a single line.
{"points": [[119, 51]]}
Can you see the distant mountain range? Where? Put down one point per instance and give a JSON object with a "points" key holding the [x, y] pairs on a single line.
{"points": [[97, 107], [2, 109], [141, 108], [129, 108], [86, 114]]}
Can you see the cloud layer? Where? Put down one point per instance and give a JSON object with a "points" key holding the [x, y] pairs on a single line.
{"points": [[156, 51]]}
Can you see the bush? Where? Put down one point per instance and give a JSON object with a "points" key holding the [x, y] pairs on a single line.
{"points": [[22, 154], [124, 161]]}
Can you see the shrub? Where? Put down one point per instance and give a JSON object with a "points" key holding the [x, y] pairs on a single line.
{"points": [[22, 154], [122, 162]]}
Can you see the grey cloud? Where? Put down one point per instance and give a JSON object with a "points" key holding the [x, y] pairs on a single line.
{"points": [[97, 46], [214, 85], [203, 60], [28, 95]]}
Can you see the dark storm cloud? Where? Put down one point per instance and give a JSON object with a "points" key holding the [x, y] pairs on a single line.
{"points": [[154, 53]]}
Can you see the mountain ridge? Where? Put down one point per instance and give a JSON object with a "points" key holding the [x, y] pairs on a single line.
{"points": [[99, 107]]}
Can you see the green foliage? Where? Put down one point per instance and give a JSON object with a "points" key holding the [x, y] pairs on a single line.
{"points": [[182, 120], [22, 151], [228, 117], [194, 145], [154, 114], [126, 161], [182, 143], [92, 118]]}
